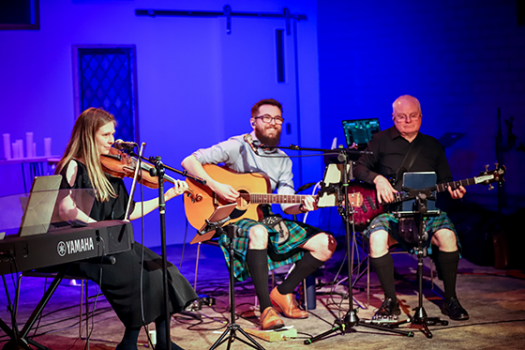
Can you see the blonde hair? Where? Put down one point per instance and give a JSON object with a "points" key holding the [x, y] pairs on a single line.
{"points": [[82, 144]]}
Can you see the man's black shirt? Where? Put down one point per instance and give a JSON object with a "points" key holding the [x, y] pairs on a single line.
{"points": [[389, 149]]}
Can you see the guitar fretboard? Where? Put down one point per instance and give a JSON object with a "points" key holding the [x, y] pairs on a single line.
{"points": [[270, 198], [455, 184], [400, 196]]}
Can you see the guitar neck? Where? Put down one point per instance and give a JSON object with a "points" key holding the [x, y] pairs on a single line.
{"points": [[270, 198], [455, 184], [400, 196]]}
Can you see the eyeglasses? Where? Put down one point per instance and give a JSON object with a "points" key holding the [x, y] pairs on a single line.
{"points": [[268, 119], [413, 116]]}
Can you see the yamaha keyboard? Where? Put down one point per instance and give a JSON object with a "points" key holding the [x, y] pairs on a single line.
{"points": [[64, 245], [58, 247]]}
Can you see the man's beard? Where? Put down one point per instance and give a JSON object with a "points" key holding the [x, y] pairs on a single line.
{"points": [[269, 141]]}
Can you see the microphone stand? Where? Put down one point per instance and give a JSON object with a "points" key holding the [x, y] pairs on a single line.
{"points": [[350, 319], [159, 171]]}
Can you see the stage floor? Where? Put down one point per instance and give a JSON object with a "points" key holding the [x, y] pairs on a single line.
{"points": [[495, 300]]}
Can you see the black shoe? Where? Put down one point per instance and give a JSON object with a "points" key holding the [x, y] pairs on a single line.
{"points": [[388, 310], [454, 310]]}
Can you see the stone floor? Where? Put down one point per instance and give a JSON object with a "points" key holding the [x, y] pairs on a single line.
{"points": [[494, 298]]}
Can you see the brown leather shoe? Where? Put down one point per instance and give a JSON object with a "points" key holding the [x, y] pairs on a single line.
{"points": [[286, 304], [270, 319]]}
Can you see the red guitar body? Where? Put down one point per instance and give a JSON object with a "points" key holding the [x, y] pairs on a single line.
{"points": [[370, 208]]}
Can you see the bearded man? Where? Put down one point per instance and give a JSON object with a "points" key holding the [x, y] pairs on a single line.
{"points": [[262, 247]]}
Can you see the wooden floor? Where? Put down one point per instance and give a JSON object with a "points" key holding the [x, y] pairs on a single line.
{"points": [[494, 298]]}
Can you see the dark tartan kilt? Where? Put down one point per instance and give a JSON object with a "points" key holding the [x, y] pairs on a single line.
{"points": [[278, 254], [390, 224]]}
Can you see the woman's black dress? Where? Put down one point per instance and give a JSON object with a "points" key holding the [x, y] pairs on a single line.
{"points": [[121, 281]]}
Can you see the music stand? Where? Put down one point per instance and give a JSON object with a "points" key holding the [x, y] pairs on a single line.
{"points": [[418, 201], [214, 226]]}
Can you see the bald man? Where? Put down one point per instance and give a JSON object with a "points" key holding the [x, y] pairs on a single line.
{"points": [[389, 148]]}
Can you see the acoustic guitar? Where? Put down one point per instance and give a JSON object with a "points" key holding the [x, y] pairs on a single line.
{"points": [[371, 208], [254, 189]]}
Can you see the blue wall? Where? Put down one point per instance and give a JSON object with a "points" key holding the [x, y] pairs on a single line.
{"points": [[462, 59], [196, 84]]}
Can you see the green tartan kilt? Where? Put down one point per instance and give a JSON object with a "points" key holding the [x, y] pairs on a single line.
{"points": [[390, 224], [278, 254]]}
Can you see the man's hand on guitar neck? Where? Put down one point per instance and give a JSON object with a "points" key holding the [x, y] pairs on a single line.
{"points": [[309, 203], [458, 193], [385, 191]]}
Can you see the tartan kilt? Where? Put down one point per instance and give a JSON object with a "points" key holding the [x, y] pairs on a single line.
{"points": [[390, 224], [278, 254]]}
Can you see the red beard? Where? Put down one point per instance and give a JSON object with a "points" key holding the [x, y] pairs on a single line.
{"points": [[268, 140]]}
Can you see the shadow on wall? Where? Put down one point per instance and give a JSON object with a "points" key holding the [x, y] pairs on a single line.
{"points": [[462, 163], [487, 237]]}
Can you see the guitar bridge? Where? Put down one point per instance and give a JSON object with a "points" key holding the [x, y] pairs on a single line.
{"points": [[216, 202]]}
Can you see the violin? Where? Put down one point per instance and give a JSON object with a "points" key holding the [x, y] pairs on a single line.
{"points": [[120, 164]]}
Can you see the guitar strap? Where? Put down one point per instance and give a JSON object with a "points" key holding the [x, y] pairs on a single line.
{"points": [[408, 161]]}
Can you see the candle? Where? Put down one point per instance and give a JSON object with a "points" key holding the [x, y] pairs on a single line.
{"points": [[47, 146], [7, 146], [16, 149], [29, 145], [20, 148]]}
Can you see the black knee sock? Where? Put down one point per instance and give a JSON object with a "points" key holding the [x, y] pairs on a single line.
{"points": [[257, 260], [129, 340], [303, 268], [384, 267], [160, 327], [447, 266]]}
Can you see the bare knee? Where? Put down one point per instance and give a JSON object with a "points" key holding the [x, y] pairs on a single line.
{"points": [[378, 243], [445, 239], [322, 246], [258, 237]]}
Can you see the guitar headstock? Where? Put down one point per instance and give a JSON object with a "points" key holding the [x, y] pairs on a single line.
{"points": [[488, 177]]}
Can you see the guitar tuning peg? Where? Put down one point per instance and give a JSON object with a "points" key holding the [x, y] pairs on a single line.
{"points": [[496, 165], [491, 187], [487, 167]]}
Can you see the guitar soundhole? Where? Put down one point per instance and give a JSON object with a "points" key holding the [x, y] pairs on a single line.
{"points": [[243, 202]]}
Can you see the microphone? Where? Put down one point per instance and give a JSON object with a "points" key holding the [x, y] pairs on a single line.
{"points": [[128, 146], [249, 139]]}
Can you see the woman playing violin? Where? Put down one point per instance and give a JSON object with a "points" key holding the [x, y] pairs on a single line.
{"points": [[93, 136]]}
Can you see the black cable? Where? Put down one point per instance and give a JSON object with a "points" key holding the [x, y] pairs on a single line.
{"points": [[479, 324], [74, 343], [100, 312], [103, 311], [13, 262], [66, 328], [184, 244], [300, 156], [40, 315], [61, 309], [94, 304], [143, 230]]}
